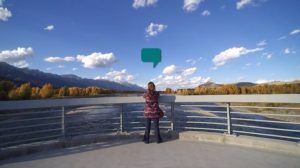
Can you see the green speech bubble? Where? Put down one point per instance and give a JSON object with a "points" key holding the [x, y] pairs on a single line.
{"points": [[151, 55]]}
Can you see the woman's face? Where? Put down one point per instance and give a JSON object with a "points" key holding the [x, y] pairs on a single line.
{"points": [[151, 87]]}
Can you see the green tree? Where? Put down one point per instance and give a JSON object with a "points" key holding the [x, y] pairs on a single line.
{"points": [[5, 87]]}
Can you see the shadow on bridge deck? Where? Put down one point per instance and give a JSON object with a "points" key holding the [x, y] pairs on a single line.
{"points": [[173, 153]]}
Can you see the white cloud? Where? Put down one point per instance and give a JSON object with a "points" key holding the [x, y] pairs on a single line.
{"points": [[193, 61], [60, 66], [282, 37], [154, 29], [174, 78], [4, 14], [242, 3], [261, 81], [269, 56], [288, 51], [172, 69], [21, 64], [96, 60], [189, 71], [49, 27], [60, 59], [232, 53], [191, 5], [143, 3], [206, 13], [262, 43], [179, 81], [169, 69], [296, 31], [117, 76], [74, 69], [17, 56]]}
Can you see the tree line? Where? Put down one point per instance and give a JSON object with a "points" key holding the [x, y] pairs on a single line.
{"points": [[9, 91], [234, 89]]}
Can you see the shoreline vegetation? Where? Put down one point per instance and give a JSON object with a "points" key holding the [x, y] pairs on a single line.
{"points": [[10, 91]]}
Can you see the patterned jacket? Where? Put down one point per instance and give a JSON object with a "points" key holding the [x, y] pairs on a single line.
{"points": [[151, 105]]}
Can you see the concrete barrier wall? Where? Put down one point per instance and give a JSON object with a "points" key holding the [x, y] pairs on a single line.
{"points": [[287, 147]]}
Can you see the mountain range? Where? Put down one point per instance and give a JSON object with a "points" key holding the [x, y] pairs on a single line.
{"points": [[39, 78], [243, 84]]}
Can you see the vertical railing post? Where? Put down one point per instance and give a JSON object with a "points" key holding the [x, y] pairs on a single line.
{"points": [[229, 129], [63, 122], [172, 116], [121, 117]]}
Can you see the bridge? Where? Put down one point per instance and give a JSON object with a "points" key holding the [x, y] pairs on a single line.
{"points": [[198, 131]]}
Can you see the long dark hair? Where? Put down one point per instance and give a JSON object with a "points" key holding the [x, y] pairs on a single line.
{"points": [[151, 83]]}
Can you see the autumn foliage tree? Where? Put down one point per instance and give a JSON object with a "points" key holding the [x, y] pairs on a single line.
{"points": [[24, 91], [63, 91], [46, 91]]}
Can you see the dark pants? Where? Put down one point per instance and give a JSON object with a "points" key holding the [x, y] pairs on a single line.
{"points": [[156, 129]]}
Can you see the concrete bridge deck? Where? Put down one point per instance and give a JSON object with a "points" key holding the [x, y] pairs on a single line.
{"points": [[169, 154]]}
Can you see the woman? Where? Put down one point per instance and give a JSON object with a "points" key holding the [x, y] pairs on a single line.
{"points": [[152, 112]]}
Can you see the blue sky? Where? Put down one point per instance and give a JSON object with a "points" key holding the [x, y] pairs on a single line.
{"points": [[201, 40]]}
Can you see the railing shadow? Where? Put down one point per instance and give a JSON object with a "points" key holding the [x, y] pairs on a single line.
{"points": [[113, 141]]}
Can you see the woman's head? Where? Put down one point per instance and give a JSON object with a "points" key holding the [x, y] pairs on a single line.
{"points": [[151, 86]]}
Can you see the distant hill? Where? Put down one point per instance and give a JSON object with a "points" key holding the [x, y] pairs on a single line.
{"points": [[243, 84], [239, 84], [210, 84], [39, 78], [282, 82]]}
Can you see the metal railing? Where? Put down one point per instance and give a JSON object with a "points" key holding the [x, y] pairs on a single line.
{"points": [[30, 121]]}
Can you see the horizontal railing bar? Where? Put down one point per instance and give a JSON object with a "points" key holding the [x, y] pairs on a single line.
{"points": [[221, 112], [269, 121], [84, 114], [266, 114], [268, 128], [92, 108], [137, 122], [212, 129], [137, 111], [91, 132], [27, 113], [116, 118], [202, 122], [91, 126], [26, 140], [88, 111], [31, 132], [255, 98], [205, 117], [271, 135], [32, 119], [144, 127], [36, 125], [198, 105], [139, 117], [265, 107]]}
